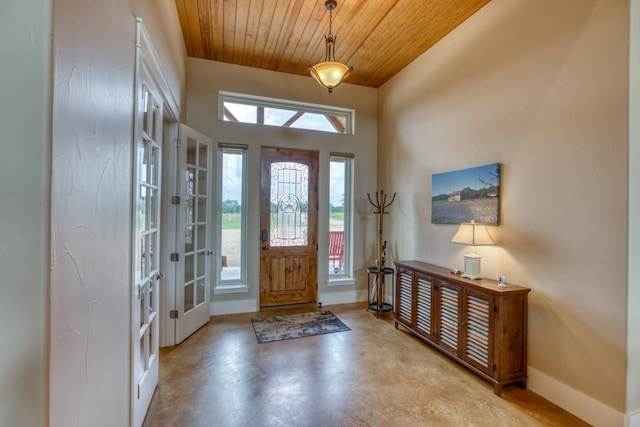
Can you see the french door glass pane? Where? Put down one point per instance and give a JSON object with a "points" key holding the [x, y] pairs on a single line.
{"points": [[142, 358], [202, 156], [202, 209], [144, 268], [190, 182], [201, 238], [143, 316], [154, 118], [144, 170], [192, 146], [188, 268], [152, 338], [153, 168], [145, 115], [151, 253], [190, 214], [200, 291], [142, 210], [202, 182], [152, 197], [188, 297], [200, 265], [189, 239], [151, 302]]}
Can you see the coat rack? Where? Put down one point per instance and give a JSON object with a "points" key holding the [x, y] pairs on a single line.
{"points": [[376, 292]]}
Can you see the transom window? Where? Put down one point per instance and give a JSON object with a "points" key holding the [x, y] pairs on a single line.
{"points": [[242, 108]]}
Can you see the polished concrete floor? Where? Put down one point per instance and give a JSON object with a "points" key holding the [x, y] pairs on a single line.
{"points": [[373, 375]]}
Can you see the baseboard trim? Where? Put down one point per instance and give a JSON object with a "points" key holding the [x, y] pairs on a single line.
{"points": [[582, 406], [233, 307], [342, 297]]}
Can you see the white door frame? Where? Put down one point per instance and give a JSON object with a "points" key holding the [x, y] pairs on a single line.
{"points": [[170, 183], [145, 57]]}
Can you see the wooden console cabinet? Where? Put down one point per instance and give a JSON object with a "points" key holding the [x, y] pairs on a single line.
{"points": [[475, 322]]}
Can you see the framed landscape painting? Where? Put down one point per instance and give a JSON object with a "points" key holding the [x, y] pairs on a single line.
{"points": [[466, 195]]}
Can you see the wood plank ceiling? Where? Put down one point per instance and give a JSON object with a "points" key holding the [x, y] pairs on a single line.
{"points": [[377, 37]]}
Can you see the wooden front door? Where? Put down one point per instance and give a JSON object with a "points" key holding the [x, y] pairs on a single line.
{"points": [[289, 226]]}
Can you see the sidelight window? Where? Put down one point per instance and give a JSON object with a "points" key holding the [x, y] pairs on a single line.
{"points": [[232, 181], [340, 216]]}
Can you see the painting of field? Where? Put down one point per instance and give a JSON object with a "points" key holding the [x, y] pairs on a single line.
{"points": [[466, 195]]}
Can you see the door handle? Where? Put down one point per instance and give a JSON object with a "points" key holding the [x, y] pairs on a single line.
{"points": [[159, 275], [209, 253], [265, 248]]}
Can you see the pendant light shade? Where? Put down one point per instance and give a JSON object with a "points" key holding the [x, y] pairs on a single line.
{"points": [[330, 73]]}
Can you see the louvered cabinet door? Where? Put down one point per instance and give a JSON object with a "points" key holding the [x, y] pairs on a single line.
{"points": [[475, 322], [449, 317], [478, 322], [404, 297], [424, 304]]}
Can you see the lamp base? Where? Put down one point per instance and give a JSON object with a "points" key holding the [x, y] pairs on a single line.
{"points": [[472, 267]]}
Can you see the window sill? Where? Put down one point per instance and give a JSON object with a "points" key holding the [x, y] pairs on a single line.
{"points": [[347, 281], [230, 289]]}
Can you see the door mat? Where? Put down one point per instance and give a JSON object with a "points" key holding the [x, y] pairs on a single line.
{"points": [[269, 329]]}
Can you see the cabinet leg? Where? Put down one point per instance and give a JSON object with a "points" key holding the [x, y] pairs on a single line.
{"points": [[497, 389]]}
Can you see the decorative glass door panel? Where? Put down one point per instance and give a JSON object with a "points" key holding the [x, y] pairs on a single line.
{"points": [[289, 201]]}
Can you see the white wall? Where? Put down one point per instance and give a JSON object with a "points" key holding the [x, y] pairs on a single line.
{"points": [[206, 78], [93, 78], [25, 37], [541, 87]]}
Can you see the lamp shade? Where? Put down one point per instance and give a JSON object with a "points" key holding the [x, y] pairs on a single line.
{"points": [[473, 234], [330, 74]]}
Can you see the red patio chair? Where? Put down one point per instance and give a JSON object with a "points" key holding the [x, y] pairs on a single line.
{"points": [[336, 249]]}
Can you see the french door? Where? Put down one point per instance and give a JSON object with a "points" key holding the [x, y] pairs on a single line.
{"points": [[289, 226], [146, 246], [193, 239]]}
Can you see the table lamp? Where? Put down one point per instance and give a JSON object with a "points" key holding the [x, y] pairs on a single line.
{"points": [[474, 235]]}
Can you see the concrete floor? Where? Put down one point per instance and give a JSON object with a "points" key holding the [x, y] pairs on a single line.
{"points": [[373, 375]]}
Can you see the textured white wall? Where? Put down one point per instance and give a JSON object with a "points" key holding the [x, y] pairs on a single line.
{"points": [[93, 79], [206, 78], [541, 87], [25, 37]]}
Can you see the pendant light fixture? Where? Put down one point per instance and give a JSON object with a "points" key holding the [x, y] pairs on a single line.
{"points": [[330, 73]]}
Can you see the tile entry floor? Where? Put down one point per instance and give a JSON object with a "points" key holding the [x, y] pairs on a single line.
{"points": [[373, 375]]}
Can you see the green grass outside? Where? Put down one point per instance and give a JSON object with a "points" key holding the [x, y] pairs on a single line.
{"points": [[231, 221]]}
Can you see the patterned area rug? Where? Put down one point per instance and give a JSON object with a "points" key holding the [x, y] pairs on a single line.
{"points": [[278, 328]]}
